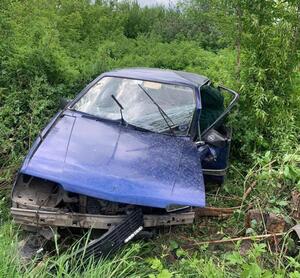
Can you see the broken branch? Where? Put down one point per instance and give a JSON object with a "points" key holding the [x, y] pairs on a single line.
{"points": [[249, 189], [231, 240], [213, 211]]}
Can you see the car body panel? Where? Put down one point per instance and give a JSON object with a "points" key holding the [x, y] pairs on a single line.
{"points": [[109, 161], [159, 75]]}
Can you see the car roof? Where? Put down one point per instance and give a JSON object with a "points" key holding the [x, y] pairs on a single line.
{"points": [[160, 75]]}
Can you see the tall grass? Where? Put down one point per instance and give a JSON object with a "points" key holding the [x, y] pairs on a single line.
{"points": [[150, 260], [123, 264]]}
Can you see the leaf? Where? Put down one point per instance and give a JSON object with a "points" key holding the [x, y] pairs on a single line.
{"points": [[155, 263], [295, 274], [268, 155], [267, 274], [180, 253], [234, 258], [173, 245], [286, 172], [251, 270], [258, 249], [253, 223], [282, 203], [250, 231], [164, 274]]}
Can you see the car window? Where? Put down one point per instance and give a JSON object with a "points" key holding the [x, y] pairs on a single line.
{"points": [[142, 102]]}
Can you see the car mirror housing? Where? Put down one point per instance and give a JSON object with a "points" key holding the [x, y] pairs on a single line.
{"points": [[213, 137]]}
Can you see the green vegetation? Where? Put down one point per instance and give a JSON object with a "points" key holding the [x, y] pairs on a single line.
{"points": [[50, 49]]}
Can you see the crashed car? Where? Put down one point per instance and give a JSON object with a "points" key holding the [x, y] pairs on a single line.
{"points": [[135, 148]]}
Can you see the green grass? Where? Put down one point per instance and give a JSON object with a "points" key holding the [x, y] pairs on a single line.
{"points": [[167, 256]]}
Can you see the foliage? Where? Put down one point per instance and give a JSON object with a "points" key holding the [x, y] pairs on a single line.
{"points": [[270, 56], [137, 261], [51, 49]]}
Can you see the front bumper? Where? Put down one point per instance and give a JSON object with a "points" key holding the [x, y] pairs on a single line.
{"points": [[44, 218]]}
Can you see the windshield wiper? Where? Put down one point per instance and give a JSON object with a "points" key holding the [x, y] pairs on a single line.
{"points": [[96, 118], [161, 111], [92, 116], [121, 109]]}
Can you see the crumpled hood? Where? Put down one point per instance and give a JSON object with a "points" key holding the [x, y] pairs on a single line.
{"points": [[112, 162]]}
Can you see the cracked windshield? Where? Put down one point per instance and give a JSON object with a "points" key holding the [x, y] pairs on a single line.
{"points": [[157, 107]]}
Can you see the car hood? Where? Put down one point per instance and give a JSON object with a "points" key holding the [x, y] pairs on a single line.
{"points": [[108, 161]]}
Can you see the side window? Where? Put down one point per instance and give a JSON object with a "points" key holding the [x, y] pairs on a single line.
{"points": [[212, 102]]}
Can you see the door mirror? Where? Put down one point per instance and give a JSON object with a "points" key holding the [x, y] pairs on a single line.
{"points": [[215, 138]]}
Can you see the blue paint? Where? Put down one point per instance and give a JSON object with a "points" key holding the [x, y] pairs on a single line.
{"points": [[108, 161]]}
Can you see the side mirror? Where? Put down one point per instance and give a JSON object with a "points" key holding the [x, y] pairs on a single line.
{"points": [[215, 138], [64, 102]]}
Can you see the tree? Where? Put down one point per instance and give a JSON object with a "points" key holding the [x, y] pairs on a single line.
{"points": [[270, 56]]}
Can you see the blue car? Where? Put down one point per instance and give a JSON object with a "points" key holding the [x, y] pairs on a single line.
{"points": [[133, 138]]}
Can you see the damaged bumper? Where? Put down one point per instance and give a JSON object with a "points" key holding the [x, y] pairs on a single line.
{"points": [[39, 203], [44, 218]]}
